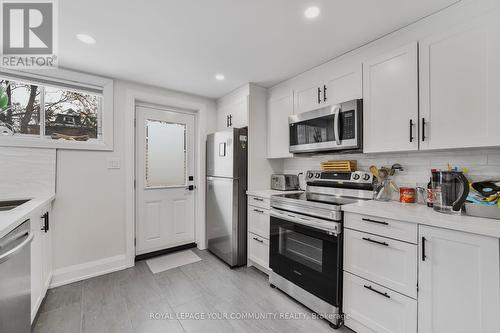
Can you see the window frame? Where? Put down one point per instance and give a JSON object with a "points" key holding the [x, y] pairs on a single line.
{"points": [[70, 80]]}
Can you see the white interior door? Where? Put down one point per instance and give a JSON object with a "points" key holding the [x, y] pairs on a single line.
{"points": [[165, 203]]}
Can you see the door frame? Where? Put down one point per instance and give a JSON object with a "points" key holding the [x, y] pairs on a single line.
{"points": [[174, 100], [163, 108]]}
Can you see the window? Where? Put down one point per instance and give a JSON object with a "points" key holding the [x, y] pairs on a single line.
{"points": [[42, 112], [165, 154]]}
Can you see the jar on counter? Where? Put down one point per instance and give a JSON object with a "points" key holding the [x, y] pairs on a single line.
{"points": [[407, 195]]}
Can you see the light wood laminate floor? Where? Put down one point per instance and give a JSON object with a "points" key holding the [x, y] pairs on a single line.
{"points": [[125, 301]]}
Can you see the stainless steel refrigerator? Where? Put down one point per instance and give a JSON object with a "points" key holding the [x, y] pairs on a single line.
{"points": [[226, 202]]}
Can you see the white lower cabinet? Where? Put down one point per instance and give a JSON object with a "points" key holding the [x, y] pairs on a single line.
{"points": [[369, 307], [458, 282], [258, 221], [258, 250], [41, 257], [388, 262]]}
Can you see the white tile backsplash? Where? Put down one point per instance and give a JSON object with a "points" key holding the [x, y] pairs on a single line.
{"points": [[27, 171], [482, 163]]}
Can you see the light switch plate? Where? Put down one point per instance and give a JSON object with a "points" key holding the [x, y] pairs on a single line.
{"points": [[114, 163]]}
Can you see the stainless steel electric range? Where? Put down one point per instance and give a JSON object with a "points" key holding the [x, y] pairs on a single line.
{"points": [[306, 239]]}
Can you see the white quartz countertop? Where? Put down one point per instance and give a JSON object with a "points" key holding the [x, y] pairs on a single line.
{"points": [[268, 193], [9, 220], [421, 214]]}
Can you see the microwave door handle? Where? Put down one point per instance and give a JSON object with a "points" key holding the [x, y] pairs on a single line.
{"points": [[336, 124]]}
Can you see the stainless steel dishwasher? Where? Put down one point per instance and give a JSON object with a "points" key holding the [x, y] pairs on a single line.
{"points": [[15, 282]]}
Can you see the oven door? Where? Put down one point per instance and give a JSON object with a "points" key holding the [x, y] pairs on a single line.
{"points": [[335, 127], [308, 257]]}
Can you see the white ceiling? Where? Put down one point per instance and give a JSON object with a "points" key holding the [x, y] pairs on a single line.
{"points": [[182, 44]]}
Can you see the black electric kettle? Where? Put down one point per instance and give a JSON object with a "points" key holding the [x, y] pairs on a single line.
{"points": [[450, 190]]}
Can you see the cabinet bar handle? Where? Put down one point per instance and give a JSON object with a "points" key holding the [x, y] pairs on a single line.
{"points": [[376, 291], [258, 211], [324, 93], [411, 130], [423, 129], [374, 241], [319, 95], [258, 240], [423, 249], [258, 199], [373, 221]]}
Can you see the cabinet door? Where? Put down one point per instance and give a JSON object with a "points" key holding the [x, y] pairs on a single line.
{"points": [[278, 134], [458, 282], [258, 221], [36, 265], [386, 261], [238, 113], [370, 308], [308, 93], [390, 92], [459, 87], [47, 253], [258, 250], [343, 84]]}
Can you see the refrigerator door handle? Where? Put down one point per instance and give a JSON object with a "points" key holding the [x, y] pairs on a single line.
{"points": [[222, 149]]}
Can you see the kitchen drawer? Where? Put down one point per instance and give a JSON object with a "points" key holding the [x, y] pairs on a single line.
{"points": [[258, 250], [259, 202], [388, 262], [258, 221], [369, 307], [404, 231]]}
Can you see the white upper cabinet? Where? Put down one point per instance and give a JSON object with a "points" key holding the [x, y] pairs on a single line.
{"points": [[329, 84], [307, 92], [233, 114], [458, 282], [279, 107], [460, 85], [390, 107], [343, 83]]}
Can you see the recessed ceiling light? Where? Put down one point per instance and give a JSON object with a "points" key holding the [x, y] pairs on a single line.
{"points": [[87, 39], [220, 77], [312, 12]]}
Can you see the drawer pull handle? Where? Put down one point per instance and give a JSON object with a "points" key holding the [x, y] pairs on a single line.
{"points": [[376, 291], [258, 211], [258, 199], [373, 221], [258, 240], [374, 241]]}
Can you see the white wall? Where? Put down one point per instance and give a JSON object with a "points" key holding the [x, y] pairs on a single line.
{"points": [[93, 213]]}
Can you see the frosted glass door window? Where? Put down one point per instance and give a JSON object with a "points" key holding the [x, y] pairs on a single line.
{"points": [[165, 154]]}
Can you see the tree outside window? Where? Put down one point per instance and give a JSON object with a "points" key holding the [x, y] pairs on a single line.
{"points": [[66, 114]]}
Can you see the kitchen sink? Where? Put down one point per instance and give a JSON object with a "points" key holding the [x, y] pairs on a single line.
{"points": [[11, 204]]}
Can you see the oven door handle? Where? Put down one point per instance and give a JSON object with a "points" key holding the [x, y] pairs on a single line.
{"points": [[306, 221], [336, 123]]}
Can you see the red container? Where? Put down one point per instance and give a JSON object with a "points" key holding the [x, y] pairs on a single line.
{"points": [[407, 195]]}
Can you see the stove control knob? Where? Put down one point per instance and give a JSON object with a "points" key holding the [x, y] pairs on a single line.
{"points": [[366, 176], [310, 175], [317, 175], [356, 176]]}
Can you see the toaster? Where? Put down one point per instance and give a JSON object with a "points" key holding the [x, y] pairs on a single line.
{"points": [[285, 182]]}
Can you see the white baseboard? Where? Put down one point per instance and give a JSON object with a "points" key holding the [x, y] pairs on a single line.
{"points": [[66, 275]]}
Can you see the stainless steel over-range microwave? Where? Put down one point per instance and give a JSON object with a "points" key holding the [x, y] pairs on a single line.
{"points": [[332, 128]]}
